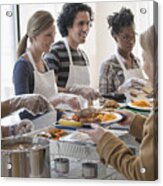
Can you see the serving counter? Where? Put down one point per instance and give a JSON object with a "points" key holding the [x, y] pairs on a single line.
{"points": [[79, 152]]}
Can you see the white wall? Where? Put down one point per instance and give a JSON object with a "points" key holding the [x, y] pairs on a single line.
{"points": [[105, 44], [99, 45]]}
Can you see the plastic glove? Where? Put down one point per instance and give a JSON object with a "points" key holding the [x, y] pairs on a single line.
{"points": [[136, 83], [19, 128], [35, 103], [86, 92], [23, 127], [68, 99]]}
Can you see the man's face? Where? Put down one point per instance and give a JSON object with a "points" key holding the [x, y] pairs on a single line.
{"points": [[81, 26]]}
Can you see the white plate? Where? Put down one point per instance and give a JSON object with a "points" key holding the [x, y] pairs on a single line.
{"points": [[117, 119], [139, 108]]}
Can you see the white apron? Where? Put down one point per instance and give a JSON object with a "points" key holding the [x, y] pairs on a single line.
{"points": [[130, 73], [44, 83], [77, 74]]}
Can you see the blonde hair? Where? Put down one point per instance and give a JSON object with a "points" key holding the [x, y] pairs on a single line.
{"points": [[148, 41], [39, 21]]}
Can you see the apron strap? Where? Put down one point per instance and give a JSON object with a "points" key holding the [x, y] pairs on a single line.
{"points": [[85, 57], [31, 59], [120, 62], [33, 63], [45, 64], [68, 50]]}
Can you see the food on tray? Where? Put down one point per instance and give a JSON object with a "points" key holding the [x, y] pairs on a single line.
{"points": [[70, 122], [111, 104], [98, 117], [141, 103], [106, 117], [53, 133], [87, 112]]}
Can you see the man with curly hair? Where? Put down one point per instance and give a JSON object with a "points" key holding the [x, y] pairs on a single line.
{"points": [[70, 63]]}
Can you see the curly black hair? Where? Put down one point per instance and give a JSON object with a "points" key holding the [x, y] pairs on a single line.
{"points": [[68, 14], [120, 20]]}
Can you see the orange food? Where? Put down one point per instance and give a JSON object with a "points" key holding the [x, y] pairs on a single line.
{"points": [[141, 103], [108, 117], [53, 133], [102, 117], [75, 117]]}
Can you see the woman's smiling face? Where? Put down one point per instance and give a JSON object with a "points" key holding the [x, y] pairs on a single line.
{"points": [[44, 40]]}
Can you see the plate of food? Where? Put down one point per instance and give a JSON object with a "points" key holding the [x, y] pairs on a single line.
{"points": [[52, 133], [103, 118], [141, 105], [88, 116], [99, 117]]}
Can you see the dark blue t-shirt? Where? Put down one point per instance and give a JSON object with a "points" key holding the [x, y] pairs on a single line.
{"points": [[23, 77]]}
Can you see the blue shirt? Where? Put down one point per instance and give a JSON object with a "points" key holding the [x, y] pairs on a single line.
{"points": [[23, 77]]}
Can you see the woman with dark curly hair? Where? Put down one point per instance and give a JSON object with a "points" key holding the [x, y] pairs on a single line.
{"points": [[70, 63], [123, 65]]}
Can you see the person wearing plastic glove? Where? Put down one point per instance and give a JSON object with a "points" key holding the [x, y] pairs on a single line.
{"points": [[134, 82], [31, 74], [86, 92], [112, 150], [123, 65], [70, 63], [71, 100], [22, 127], [34, 103]]}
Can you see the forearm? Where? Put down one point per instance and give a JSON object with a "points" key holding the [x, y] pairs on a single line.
{"points": [[136, 127], [115, 152]]}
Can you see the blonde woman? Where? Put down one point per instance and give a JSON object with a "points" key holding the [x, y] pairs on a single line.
{"points": [[114, 151], [31, 74]]}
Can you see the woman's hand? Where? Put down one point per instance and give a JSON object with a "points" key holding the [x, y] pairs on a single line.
{"points": [[89, 93], [136, 83], [95, 134], [35, 103], [69, 99], [85, 91], [73, 102], [23, 127]]}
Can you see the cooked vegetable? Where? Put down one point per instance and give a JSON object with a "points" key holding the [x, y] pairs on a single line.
{"points": [[73, 123]]}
